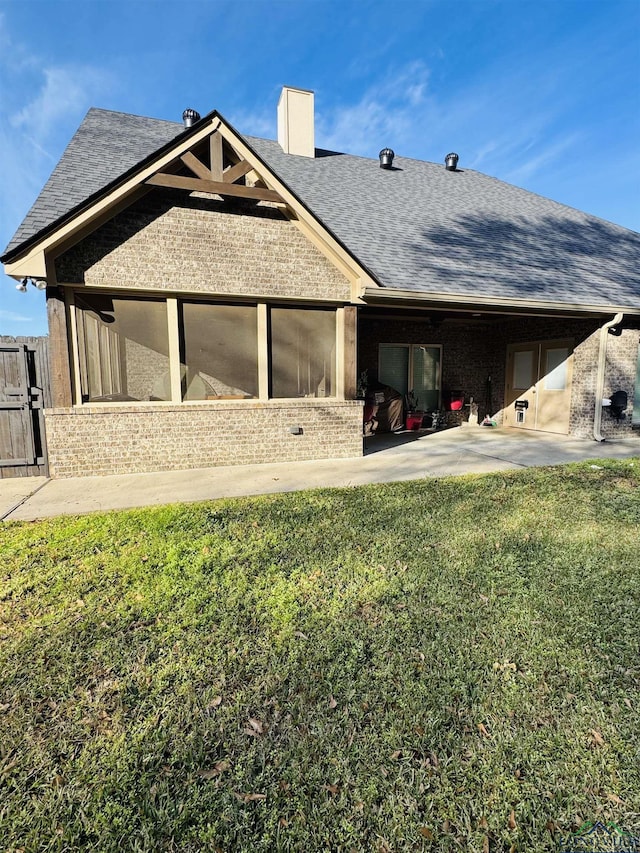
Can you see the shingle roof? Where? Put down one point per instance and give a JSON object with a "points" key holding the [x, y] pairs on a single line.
{"points": [[106, 145], [421, 228], [416, 227]]}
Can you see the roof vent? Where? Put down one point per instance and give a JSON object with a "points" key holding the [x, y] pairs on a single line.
{"points": [[386, 158], [451, 162], [190, 117]]}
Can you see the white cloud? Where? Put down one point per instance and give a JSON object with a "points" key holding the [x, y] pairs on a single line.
{"points": [[384, 115], [543, 158], [255, 123], [64, 91], [483, 153], [41, 106], [499, 124]]}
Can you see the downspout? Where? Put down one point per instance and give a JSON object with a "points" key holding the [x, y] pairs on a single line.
{"points": [[602, 361]]}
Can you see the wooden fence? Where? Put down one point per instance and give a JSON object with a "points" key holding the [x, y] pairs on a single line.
{"points": [[25, 391]]}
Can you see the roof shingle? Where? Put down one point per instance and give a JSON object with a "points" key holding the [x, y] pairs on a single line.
{"points": [[416, 227], [106, 145], [421, 228]]}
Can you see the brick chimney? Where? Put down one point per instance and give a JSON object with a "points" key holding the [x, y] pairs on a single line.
{"points": [[295, 122]]}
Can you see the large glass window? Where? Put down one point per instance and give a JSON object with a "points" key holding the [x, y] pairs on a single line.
{"points": [[393, 367], [303, 352], [425, 370], [124, 348], [220, 351]]}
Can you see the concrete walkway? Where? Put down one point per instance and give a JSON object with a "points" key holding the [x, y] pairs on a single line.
{"points": [[409, 456]]}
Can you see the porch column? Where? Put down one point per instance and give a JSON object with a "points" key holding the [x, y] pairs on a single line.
{"points": [[350, 355], [59, 365]]}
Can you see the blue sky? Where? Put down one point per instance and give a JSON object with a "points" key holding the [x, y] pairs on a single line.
{"points": [[544, 94]]}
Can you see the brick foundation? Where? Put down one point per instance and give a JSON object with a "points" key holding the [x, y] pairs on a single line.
{"points": [[130, 439]]}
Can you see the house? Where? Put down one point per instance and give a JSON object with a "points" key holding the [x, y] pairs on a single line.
{"points": [[214, 298]]}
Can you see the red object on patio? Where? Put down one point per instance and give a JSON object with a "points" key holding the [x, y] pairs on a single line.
{"points": [[414, 421], [457, 401]]}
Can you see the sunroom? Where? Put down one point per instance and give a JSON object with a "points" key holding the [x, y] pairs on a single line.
{"points": [[132, 349]]}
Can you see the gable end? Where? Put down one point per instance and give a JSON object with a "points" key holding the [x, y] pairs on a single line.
{"points": [[172, 241]]}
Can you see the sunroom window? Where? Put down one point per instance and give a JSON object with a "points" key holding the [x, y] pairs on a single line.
{"points": [[220, 351], [123, 348], [303, 352]]}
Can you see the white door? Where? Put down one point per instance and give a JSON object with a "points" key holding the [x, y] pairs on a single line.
{"points": [[538, 386]]}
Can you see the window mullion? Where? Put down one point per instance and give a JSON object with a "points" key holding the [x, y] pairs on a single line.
{"points": [[263, 352], [77, 357], [174, 350], [340, 353]]}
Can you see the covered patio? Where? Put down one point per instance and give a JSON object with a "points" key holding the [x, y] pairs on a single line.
{"points": [[533, 371]]}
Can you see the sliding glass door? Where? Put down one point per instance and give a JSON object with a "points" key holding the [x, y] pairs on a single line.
{"points": [[412, 368]]}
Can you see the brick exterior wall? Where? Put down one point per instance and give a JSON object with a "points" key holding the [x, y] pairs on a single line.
{"points": [[171, 241], [472, 352], [620, 375], [131, 439]]}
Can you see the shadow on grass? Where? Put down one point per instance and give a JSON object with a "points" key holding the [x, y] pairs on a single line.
{"points": [[325, 670]]}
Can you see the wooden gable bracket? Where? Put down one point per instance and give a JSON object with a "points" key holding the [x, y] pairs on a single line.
{"points": [[213, 178]]}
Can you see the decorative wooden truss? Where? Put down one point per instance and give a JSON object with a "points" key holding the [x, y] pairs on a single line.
{"points": [[214, 167]]}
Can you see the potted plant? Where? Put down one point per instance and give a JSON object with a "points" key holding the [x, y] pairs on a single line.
{"points": [[414, 415]]}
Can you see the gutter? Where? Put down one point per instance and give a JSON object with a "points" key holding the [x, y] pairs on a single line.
{"points": [[602, 360], [486, 304]]}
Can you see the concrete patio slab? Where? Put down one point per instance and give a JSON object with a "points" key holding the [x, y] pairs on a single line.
{"points": [[15, 490], [409, 456]]}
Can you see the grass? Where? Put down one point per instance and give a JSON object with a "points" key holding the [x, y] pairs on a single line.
{"points": [[439, 665]]}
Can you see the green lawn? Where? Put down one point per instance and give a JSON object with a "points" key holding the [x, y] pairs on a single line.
{"points": [[440, 665]]}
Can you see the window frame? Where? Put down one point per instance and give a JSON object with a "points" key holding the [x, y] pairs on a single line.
{"points": [[79, 357], [193, 301], [173, 307], [336, 350]]}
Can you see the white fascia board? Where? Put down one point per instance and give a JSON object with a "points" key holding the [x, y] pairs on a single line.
{"points": [[32, 265], [489, 303]]}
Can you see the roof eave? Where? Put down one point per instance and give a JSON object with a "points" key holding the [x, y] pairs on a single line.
{"points": [[489, 304]]}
